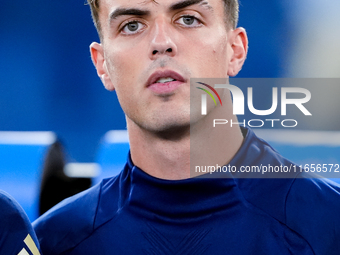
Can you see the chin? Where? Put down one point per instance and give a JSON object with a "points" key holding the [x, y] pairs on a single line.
{"points": [[174, 132], [169, 128]]}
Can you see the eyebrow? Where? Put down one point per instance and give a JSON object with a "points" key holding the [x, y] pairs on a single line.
{"points": [[128, 11], [139, 12], [187, 3]]}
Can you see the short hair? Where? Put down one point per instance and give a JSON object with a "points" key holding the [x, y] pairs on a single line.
{"points": [[231, 8]]}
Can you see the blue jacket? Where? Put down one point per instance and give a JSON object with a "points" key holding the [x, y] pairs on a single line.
{"points": [[135, 213], [16, 232]]}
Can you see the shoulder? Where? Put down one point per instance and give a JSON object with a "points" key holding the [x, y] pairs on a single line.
{"points": [[307, 204], [15, 226], [312, 210], [9, 204], [74, 219], [10, 209], [268, 185], [69, 222]]}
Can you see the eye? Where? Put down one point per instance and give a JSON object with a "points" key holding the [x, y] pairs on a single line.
{"points": [[132, 27], [189, 21]]}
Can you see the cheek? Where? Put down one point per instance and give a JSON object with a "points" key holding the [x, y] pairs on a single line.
{"points": [[210, 58], [209, 50], [123, 68]]}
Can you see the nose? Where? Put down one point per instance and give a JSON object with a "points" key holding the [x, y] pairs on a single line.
{"points": [[162, 43]]}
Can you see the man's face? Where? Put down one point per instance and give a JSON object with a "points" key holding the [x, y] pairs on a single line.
{"points": [[150, 50]]}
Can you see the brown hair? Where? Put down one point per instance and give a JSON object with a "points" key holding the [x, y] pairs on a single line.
{"points": [[231, 8]]}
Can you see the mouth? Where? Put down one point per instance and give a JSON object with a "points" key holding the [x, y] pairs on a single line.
{"points": [[164, 82]]}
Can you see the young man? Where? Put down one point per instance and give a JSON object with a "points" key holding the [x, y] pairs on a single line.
{"points": [[17, 236], [148, 53]]}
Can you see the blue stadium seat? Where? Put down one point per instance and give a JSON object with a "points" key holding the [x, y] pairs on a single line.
{"points": [[112, 154], [21, 161], [311, 149]]}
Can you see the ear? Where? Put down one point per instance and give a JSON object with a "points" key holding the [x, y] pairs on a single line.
{"points": [[97, 56], [239, 45]]}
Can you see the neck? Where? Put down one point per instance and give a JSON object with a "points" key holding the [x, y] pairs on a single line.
{"points": [[174, 157]]}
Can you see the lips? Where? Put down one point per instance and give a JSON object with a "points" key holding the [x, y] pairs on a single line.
{"points": [[173, 81]]}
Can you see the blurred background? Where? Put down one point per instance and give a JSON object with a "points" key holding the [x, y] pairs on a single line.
{"points": [[48, 82]]}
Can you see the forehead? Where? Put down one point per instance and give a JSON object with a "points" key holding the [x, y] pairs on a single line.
{"points": [[150, 2], [109, 6]]}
